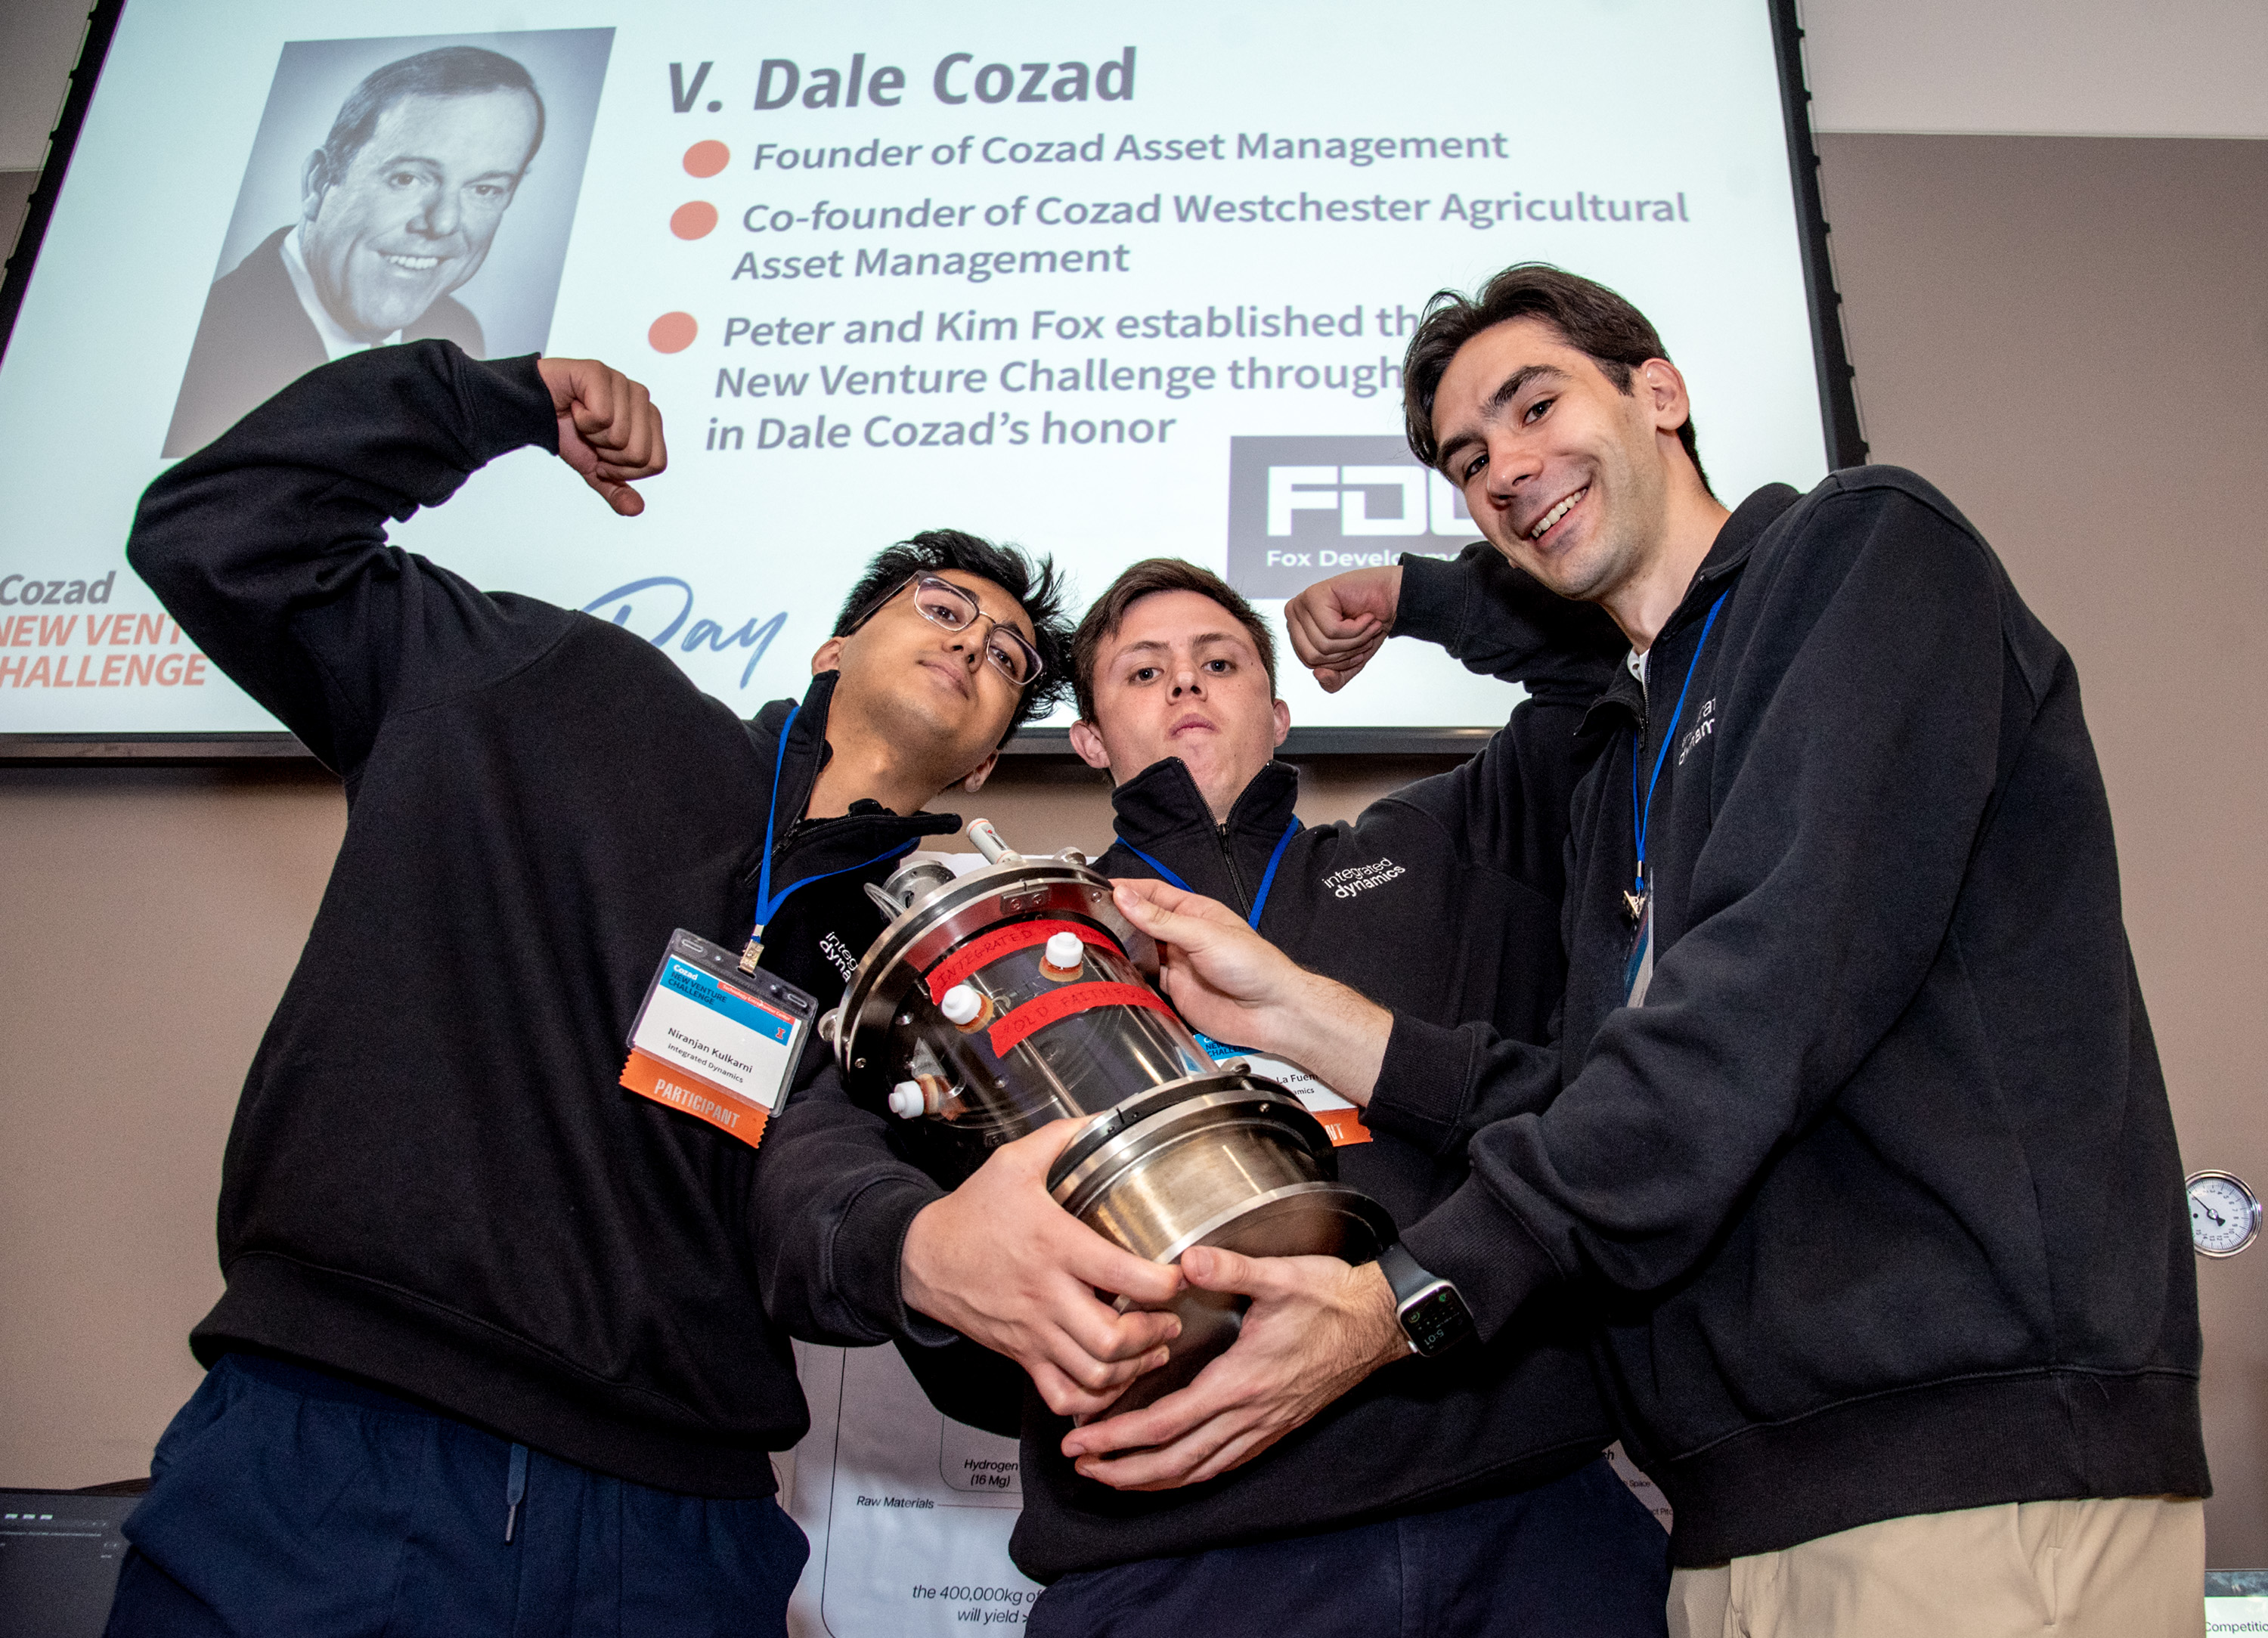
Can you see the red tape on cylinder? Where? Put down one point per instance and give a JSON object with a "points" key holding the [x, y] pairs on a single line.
{"points": [[1072, 998], [983, 952]]}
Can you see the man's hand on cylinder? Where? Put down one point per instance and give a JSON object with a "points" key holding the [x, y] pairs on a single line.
{"points": [[1002, 1263], [1221, 975], [1236, 987], [1316, 1327], [1336, 625], [610, 430]]}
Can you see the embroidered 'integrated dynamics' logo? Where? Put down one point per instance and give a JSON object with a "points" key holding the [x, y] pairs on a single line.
{"points": [[1362, 879], [1700, 731]]}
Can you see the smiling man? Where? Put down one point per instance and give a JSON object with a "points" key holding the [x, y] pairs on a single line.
{"points": [[398, 209], [491, 1355], [1855, 1124]]}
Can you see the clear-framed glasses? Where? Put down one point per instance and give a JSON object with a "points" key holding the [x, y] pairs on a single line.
{"points": [[942, 603]]}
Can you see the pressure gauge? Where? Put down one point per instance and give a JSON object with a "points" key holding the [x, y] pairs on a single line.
{"points": [[2224, 1216]]}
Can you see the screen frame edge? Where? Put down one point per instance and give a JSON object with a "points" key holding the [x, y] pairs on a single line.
{"points": [[1838, 397]]}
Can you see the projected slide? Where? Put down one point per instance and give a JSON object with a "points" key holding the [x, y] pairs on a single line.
{"points": [[908, 1511], [1107, 283]]}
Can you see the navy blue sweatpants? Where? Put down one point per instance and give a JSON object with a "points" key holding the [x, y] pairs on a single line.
{"points": [[1578, 1557], [285, 1501]]}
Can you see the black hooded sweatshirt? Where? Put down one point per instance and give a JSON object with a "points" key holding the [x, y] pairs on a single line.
{"points": [[1880, 1181], [434, 1183], [1442, 900]]}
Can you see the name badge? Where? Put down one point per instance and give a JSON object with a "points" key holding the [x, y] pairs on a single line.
{"points": [[716, 1043], [1340, 1117]]}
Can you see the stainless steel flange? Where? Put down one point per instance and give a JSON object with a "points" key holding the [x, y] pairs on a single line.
{"points": [[1235, 1162]]}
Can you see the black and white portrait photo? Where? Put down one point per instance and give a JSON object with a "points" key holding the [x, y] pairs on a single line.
{"points": [[398, 190]]}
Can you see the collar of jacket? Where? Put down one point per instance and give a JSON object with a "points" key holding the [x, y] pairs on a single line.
{"points": [[823, 846], [1625, 700], [1161, 811]]}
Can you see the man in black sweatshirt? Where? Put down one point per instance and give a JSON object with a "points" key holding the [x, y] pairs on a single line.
{"points": [[1460, 1493], [1466, 1493], [491, 1355], [1855, 1121]]}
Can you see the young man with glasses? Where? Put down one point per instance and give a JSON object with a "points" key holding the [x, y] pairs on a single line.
{"points": [[491, 1354], [956, 607]]}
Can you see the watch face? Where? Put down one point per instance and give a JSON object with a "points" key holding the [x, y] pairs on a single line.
{"points": [[2224, 1216], [1437, 1320]]}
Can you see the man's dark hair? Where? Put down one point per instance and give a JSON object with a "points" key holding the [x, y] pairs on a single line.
{"points": [[1590, 318], [1038, 586], [1154, 574], [445, 71]]}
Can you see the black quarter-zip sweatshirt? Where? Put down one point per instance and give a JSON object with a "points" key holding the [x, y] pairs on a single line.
{"points": [[1442, 900], [434, 1182], [1880, 1182]]}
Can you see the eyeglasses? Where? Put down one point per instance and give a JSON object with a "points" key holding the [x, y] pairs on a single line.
{"points": [[942, 603]]}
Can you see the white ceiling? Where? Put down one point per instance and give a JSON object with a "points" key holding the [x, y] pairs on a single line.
{"points": [[2058, 68], [2066, 68]]}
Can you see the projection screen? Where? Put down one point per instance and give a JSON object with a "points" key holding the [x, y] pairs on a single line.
{"points": [[1106, 282]]}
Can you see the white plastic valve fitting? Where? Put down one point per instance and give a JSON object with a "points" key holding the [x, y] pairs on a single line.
{"points": [[1062, 953], [960, 1005], [988, 842], [906, 1100]]}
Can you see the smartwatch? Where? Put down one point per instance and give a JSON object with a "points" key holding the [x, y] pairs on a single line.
{"points": [[1433, 1315]]}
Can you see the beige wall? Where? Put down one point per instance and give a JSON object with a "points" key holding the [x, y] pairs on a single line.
{"points": [[148, 920], [38, 41], [2061, 332]]}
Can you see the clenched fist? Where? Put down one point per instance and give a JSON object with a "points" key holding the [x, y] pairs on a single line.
{"points": [[1336, 625], [610, 430]]}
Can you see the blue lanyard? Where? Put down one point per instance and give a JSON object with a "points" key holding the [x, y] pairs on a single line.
{"points": [[1640, 815], [767, 902], [1267, 879]]}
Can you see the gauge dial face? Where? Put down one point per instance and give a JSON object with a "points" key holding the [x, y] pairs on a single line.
{"points": [[2224, 1216]]}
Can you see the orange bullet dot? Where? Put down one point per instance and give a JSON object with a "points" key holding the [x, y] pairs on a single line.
{"points": [[673, 332], [707, 159], [696, 220]]}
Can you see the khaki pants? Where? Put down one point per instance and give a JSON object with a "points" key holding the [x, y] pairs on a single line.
{"points": [[2127, 1568]]}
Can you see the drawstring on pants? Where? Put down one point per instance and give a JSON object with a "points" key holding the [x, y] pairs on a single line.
{"points": [[515, 1490]]}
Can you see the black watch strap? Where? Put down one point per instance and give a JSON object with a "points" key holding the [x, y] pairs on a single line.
{"points": [[1432, 1310]]}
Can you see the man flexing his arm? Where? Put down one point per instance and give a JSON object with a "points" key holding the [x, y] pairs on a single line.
{"points": [[491, 1355]]}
